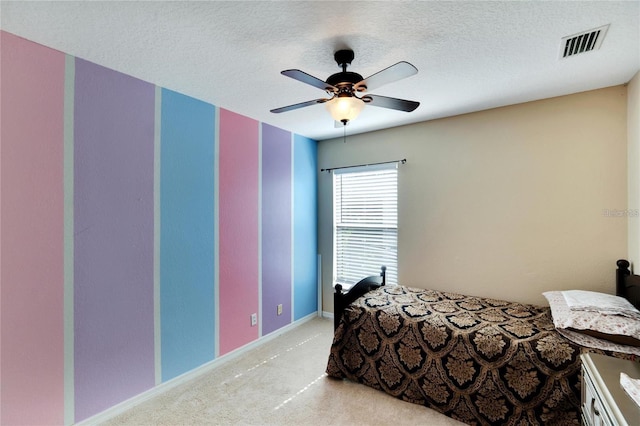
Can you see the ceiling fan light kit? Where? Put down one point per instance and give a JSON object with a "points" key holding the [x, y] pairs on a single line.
{"points": [[344, 105], [345, 108]]}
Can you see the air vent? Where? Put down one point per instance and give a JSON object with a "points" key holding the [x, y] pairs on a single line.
{"points": [[583, 42]]}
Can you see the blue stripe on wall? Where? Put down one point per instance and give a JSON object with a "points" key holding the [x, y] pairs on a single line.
{"points": [[187, 296], [305, 166]]}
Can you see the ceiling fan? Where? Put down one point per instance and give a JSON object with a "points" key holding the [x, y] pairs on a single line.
{"points": [[344, 104]]}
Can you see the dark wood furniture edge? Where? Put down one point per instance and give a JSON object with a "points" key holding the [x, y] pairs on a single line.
{"points": [[627, 284], [342, 300]]}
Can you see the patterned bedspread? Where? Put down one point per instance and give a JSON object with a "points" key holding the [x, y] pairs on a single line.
{"points": [[480, 361]]}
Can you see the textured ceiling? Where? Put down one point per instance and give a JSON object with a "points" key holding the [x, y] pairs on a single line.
{"points": [[471, 55]]}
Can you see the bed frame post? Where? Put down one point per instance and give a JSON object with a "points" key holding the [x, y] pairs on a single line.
{"points": [[338, 306], [621, 273]]}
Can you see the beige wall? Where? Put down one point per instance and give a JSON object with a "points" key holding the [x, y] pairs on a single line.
{"points": [[504, 203], [633, 135]]}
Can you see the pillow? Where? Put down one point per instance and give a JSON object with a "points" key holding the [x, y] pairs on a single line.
{"points": [[615, 328], [581, 300]]}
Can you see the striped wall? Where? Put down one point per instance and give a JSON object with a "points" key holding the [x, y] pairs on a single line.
{"points": [[113, 238], [276, 228], [140, 229], [238, 220], [304, 226], [187, 233], [31, 223]]}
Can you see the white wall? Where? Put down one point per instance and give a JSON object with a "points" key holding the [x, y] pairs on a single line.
{"points": [[504, 203], [633, 135]]}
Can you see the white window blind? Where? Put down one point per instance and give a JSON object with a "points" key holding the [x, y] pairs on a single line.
{"points": [[365, 222]]}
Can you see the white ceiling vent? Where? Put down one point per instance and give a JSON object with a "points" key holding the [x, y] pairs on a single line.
{"points": [[582, 42]]}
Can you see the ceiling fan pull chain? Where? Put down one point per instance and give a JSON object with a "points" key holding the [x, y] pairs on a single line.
{"points": [[344, 135]]}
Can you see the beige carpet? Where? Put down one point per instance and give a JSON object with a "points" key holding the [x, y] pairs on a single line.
{"points": [[279, 383]]}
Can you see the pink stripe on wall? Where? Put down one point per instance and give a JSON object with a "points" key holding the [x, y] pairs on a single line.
{"points": [[238, 229], [32, 275]]}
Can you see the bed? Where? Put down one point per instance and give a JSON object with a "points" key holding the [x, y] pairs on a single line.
{"points": [[477, 360]]}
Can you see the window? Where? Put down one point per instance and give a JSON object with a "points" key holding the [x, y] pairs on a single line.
{"points": [[365, 217]]}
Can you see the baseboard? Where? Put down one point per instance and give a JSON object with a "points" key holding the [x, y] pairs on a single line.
{"points": [[190, 375], [327, 314]]}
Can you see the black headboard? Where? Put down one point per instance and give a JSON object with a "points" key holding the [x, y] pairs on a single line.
{"points": [[342, 300], [627, 284]]}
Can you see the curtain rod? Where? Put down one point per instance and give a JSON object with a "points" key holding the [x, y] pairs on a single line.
{"points": [[404, 160]]}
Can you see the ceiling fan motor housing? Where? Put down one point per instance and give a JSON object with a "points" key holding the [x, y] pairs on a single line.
{"points": [[345, 80], [344, 57]]}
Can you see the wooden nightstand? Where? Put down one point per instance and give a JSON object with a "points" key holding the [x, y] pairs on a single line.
{"points": [[604, 401]]}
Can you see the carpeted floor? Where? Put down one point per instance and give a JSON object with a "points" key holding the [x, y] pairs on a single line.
{"points": [[279, 383]]}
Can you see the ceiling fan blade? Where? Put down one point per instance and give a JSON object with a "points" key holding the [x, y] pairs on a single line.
{"points": [[388, 75], [309, 79], [391, 103], [299, 105]]}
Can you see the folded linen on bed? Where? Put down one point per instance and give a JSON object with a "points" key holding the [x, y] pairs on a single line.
{"points": [[593, 301], [593, 329]]}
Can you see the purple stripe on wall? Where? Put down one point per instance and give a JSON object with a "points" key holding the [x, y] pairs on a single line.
{"points": [[113, 222], [276, 228]]}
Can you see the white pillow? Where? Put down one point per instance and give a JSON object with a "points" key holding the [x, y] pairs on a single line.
{"points": [[591, 301]]}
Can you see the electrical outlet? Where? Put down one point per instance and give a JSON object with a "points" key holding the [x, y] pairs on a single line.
{"points": [[280, 309], [254, 320]]}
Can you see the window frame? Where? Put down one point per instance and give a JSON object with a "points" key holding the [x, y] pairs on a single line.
{"points": [[377, 228]]}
